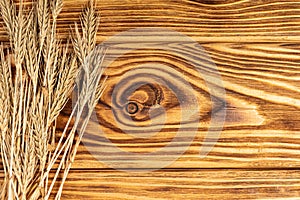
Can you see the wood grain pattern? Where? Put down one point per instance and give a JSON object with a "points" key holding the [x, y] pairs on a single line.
{"points": [[204, 20], [185, 185], [262, 123], [181, 184], [255, 46], [191, 184]]}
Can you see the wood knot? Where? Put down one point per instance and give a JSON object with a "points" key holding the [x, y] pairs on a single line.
{"points": [[132, 108]]}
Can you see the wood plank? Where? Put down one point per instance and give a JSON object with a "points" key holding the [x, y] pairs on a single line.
{"points": [[181, 184], [262, 124], [262, 95], [204, 20], [235, 149]]}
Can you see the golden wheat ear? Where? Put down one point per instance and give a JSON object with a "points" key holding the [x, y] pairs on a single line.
{"points": [[85, 43], [34, 93]]}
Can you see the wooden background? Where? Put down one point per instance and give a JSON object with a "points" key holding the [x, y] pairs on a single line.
{"points": [[256, 48]]}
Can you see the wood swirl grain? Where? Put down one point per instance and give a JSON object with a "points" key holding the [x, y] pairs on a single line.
{"points": [[262, 123]]}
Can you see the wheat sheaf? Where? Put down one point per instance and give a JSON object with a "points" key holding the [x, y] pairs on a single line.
{"points": [[38, 73]]}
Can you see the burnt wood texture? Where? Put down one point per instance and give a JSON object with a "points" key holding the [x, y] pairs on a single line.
{"points": [[255, 48]]}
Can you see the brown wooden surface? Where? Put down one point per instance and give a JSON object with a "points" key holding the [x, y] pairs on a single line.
{"points": [[182, 184], [255, 45], [262, 123]]}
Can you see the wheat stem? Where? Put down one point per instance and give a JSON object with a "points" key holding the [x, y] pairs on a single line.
{"points": [[36, 92]]}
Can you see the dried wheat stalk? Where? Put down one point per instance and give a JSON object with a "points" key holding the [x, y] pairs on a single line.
{"points": [[35, 83]]}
